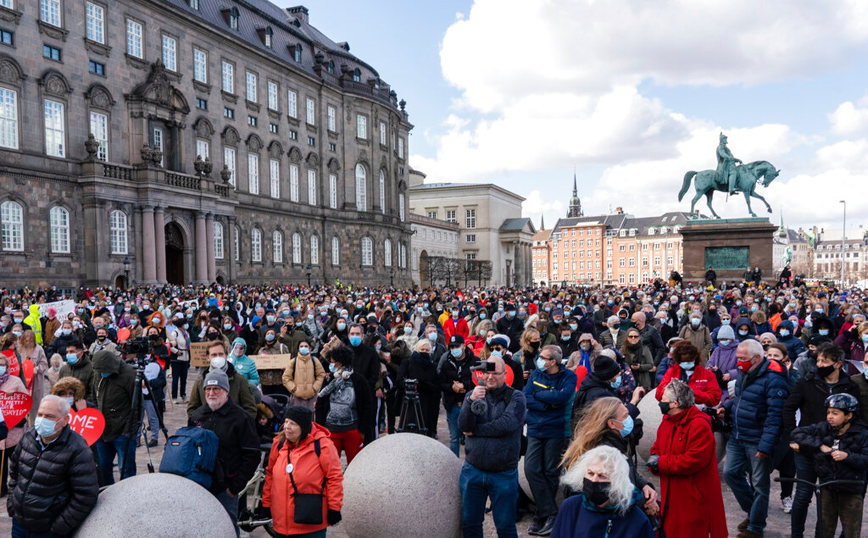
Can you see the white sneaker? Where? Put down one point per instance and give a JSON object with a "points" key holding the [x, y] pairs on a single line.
{"points": [[787, 504]]}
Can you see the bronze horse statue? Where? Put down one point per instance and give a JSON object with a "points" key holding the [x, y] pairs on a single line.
{"points": [[706, 182]]}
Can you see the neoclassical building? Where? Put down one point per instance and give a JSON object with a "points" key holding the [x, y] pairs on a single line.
{"points": [[193, 141]]}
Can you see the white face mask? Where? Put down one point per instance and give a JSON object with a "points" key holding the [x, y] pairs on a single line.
{"points": [[218, 363]]}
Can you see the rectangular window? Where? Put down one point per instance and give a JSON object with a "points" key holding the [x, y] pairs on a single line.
{"points": [[55, 129], [470, 238], [228, 113], [203, 149], [201, 104], [229, 161], [99, 128], [272, 128], [95, 22], [333, 191], [272, 95], [470, 219], [292, 104], [450, 216], [251, 87], [332, 113], [96, 68], [158, 142], [253, 173], [401, 206], [382, 133], [252, 121], [333, 146], [382, 192], [200, 66], [49, 12], [361, 126], [274, 177], [400, 148], [52, 53], [170, 53], [311, 187], [431, 214], [228, 77], [237, 244], [7, 38], [59, 218], [218, 241], [293, 183], [311, 141], [8, 118], [311, 111], [134, 39], [293, 135]]}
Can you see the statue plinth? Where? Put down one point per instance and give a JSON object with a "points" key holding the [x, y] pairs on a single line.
{"points": [[730, 246]]}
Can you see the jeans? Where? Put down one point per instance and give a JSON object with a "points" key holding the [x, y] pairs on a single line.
{"points": [[454, 433], [542, 468], [230, 504], [802, 500], [179, 378], [125, 449], [476, 487], [153, 419], [19, 531], [740, 461]]}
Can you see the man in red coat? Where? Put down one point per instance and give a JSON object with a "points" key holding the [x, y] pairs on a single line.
{"points": [[691, 501], [686, 367], [456, 325]]}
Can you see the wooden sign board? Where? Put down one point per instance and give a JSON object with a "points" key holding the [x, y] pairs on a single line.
{"points": [[271, 362], [199, 355]]}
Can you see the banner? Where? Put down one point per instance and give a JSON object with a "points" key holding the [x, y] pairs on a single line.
{"points": [[15, 406], [199, 355], [64, 308], [272, 362], [89, 423]]}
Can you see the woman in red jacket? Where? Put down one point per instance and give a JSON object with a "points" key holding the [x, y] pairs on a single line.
{"points": [[302, 460], [691, 501], [686, 367]]}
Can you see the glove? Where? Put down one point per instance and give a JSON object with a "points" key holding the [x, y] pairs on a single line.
{"points": [[333, 517], [654, 463], [263, 512]]}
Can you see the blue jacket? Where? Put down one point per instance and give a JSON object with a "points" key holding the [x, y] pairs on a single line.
{"points": [[550, 403], [795, 346], [495, 443], [244, 365], [757, 409], [579, 518]]}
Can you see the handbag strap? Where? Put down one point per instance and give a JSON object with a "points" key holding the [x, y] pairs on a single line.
{"points": [[318, 450]]}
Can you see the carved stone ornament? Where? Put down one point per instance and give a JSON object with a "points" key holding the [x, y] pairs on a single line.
{"points": [[225, 174], [203, 128], [275, 150], [91, 146], [10, 15], [159, 90], [294, 154], [156, 156], [53, 83], [254, 143], [52, 31], [99, 97], [146, 154], [10, 71], [208, 168], [230, 136], [312, 159], [98, 48], [199, 165], [334, 165]]}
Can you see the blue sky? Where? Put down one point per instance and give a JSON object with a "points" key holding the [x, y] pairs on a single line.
{"points": [[632, 96]]}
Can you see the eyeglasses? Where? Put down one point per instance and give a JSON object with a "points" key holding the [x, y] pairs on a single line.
{"points": [[494, 373], [632, 336], [496, 348]]}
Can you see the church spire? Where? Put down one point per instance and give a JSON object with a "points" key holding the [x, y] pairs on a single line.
{"points": [[542, 222], [575, 203]]}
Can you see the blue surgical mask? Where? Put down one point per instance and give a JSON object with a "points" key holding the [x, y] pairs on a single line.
{"points": [[695, 322], [66, 332], [574, 327], [227, 326], [687, 365], [743, 333], [785, 333], [270, 319], [355, 340], [269, 337], [341, 326], [333, 368], [488, 341], [823, 332], [616, 384], [456, 352], [432, 336], [71, 358], [44, 426], [566, 338], [540, 363], [627, 426], [304, 350], [724, 322], [497, 353], [482, 315]]}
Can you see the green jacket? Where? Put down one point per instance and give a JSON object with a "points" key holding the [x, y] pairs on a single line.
{"points": [[83, 371], [114, 394], [239, 392]]}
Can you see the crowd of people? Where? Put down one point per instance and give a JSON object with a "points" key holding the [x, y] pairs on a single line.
{"points": [[551, 375]]}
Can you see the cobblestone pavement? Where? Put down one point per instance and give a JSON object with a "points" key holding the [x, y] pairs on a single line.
{"points": [[778, 523]]}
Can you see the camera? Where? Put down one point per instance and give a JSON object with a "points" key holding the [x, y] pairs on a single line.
{"points": [[410, 387], [137, 346], [485, 367], [718, 425]]}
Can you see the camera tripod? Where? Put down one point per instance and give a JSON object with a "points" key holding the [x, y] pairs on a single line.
{"points": [[411, 400], [137, 412]]}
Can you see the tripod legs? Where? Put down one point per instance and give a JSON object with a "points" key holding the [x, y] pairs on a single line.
{"points": [[404, 425]]}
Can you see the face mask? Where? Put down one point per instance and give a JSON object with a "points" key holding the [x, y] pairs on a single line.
{"points": [[432, 336], [784, 333], [304, 350], [497, 353], [743, 366], [186, 326], [101, 338], [574, 327], [665, 407], [67, 332], [333, 368], [71, 358], [355, 340], [482, 315], [70, 400], [825, 332], [310, 317], [627, 426], [133, 322], [687, 365], [540, 363], [596, 492], [725, 342], [44, 427], [238, 351], [724, 322], [566, 338], [299, 324], [616, 384], [2, 370], [585, 347], [17, 334], [510, 314], [341, 326], [105, 374], [742, 333], [456, 352], [754, 308], [408, 330], [156, 321], [270, 319], [695, 322], [534, 346], [218, 363], [825, 371]]}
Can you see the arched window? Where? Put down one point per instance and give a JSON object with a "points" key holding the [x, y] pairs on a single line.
{"points": [[357, 75], [118, 226], [383, 192], [297, 53], [387, 253], [314, 250], [59, 218], [256, 245], [277, 246], [361, 188], [296, 248], [12, 225], [336, 251], [218, 240], [367, 251]]}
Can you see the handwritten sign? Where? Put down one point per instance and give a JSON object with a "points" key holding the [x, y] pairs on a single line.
{"points": [[271, 362], [89, 423], [15, 406], [64, 309], [199, 355]]}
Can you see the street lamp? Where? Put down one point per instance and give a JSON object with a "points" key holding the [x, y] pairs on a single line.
{"points": [[843, 241], [308, 275], [391, 277], [127, 271]]}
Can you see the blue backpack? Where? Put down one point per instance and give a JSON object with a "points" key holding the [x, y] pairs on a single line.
{"points": [[191, 453]]}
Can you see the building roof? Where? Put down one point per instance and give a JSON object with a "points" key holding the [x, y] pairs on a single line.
{"points": [[619, 221], [517, 225], [542, 235], [435, 223], [435, 186]]}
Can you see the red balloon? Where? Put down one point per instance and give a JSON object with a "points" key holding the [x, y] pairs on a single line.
{"points": [[14, 367], [581, 372]]}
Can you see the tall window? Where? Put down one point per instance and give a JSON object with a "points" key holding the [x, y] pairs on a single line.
{"points": [[470, 218], [251, 87], [357, 75], [99, 128], [277, 246], [170, 53], [361, 126], [293, 183], [314, 250], [59, 218], [269, 37], [203, 149], [383, 133], [218, 240], [253, 173], [383, 192], [158, 143], [333, 123], [402, 256], [134, 39], [297, 53], [55, 130], [292, 106], [361, 188], [256, 245], [296, 248], [333, 191], [229, 161], [118, 232], [95, 22], [8, 118], [200, 66], [233, 18], [274, 176], [387, 253], [12, 224], [311, 111], [400, 148], [49, 11], [228, 77], [336, 251], [401, 206], [237, 243], [311, 187], [367, 251], [272, 95]]}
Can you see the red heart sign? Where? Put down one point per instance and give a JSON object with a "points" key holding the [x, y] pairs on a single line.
{"points": [[89, 423], [14, 367], [28, 373], [15, 406]]}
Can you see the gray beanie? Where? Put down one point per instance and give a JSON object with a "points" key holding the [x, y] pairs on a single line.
{"points": [[725, 333], [217, 379]]}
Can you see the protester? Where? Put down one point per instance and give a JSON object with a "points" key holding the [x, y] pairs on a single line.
{"points": [[115, 385], [29, 350], [347, 404], [303, 377], [456, 380], [78, 365], [602, 382], [9, 385], [420, 370], [639, 359], [686, 368], [271, 379], [239, 390], [697, 334]]}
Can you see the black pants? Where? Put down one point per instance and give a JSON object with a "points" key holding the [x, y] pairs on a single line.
{"points": [[179, 377]]}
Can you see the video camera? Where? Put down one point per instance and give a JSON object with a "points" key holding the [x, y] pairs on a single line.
{"points": [[718, 425], [137, 346], [410, 387], [485, 367]]}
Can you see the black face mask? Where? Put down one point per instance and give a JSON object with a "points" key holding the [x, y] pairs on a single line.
{"points": [[534, 346], [665, 407], [596, 492], [825, 371], [425, 356], [213, 336]]}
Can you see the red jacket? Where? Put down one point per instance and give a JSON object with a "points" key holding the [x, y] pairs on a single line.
{"points": [[308, 472], [703, 382], [451, 327], [691, 500]]}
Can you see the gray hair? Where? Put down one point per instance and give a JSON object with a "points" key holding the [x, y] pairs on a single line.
{"points": [[614, 462], [62, 404], [753, 347], [613, 321], [682, 393], [555, 353]]}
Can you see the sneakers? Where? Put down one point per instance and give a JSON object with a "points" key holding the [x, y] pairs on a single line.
{"points": [[537, 525], [152, 443], [787, 504], [547, 528]]}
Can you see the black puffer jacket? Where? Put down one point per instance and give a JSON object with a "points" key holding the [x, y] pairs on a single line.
{"points": [[52, 490], [854, 442], [809, 397]]}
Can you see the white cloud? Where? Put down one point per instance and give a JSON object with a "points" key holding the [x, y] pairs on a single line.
{"points": [[849, 118], [534, 206]]}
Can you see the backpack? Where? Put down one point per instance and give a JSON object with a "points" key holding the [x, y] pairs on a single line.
{"points": [[191, 453]]}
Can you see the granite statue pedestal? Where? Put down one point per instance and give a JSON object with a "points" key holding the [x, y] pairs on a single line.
{"points": [[729, 246]]}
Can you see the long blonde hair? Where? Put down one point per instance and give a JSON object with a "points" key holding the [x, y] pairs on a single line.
{"points": [[591, 428]]}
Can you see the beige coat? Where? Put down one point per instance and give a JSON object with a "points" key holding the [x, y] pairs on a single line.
{"points": [[308, 378], [700, 337]]}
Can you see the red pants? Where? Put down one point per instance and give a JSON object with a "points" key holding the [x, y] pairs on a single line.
{"points": [[350, 442]]}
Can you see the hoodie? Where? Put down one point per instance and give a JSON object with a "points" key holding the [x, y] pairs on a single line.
{"points": [[244, 365], [794, 345]]}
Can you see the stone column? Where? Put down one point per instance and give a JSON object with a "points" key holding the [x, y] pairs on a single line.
{"points": [[201, 253], [209, 247], [229, 239], [160, 243], [148, 245]]}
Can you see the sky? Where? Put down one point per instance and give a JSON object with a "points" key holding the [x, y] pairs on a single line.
{"points": [[629, 96]]}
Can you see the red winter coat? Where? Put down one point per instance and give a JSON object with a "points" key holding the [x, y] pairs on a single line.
{"points": [[691, 500], [703, 382], [451, 327]]}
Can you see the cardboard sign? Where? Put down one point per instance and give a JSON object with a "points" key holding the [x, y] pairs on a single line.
{"points": [[89, 423], [271, 362], [199, 355], [64, 308], [15, 406], [14, 367]]}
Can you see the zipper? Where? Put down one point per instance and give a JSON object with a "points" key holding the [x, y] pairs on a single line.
{"points": [[608, 529]]}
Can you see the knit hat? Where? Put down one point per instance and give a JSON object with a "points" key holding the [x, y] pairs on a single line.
{"points": [[725, 333], [301, 416], [817, 339], [770, 336], [605, 368], [217, 378], [500, 339]]}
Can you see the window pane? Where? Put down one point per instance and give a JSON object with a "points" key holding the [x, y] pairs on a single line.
{"points": [[8, 118], [54, 129], [99, 128]]}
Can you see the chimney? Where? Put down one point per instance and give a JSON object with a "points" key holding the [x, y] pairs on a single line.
{"points": [[299, 12], [619, 210]]}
